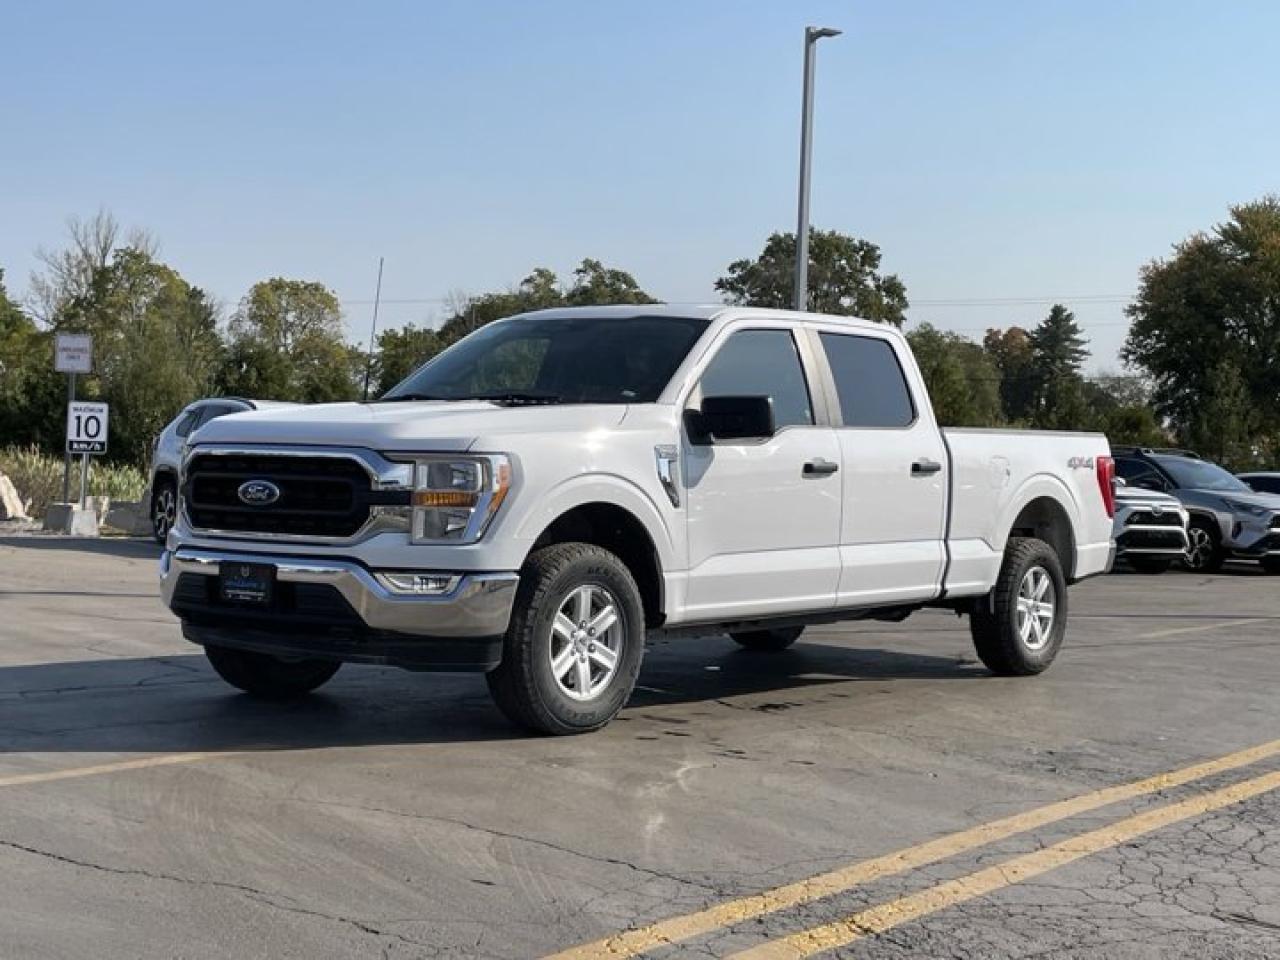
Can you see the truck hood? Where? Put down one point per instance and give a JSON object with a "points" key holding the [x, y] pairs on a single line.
{"points": [[409, 426]]}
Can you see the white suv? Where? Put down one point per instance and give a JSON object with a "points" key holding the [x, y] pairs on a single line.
{"points": [[170, 446]]}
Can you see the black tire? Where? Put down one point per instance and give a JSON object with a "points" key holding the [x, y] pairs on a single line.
{"points": [[267, 677], [768, 640], [998, 637], [1271, 564], [1150, 564], [525, 686], [1205, 554], [164, 508]]}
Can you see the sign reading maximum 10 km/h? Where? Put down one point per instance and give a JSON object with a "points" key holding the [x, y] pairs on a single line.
{"points": [[86, 427]]}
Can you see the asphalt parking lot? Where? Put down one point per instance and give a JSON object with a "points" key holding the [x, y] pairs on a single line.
{"points": [[871, 793]]}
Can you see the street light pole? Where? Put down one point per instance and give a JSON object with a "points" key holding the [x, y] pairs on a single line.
{"points": [[811, 36]]}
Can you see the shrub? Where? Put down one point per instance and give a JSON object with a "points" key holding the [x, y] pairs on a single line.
{"points": [[38, 478]]}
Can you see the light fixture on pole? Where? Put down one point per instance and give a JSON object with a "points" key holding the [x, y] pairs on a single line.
{"points": [[811, 36]]}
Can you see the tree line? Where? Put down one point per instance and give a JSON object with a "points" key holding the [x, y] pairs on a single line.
{"points": [[1203, 347]]}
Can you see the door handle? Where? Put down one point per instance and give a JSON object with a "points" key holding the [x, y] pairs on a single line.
{"points": [[925, 467], [820, 468]]}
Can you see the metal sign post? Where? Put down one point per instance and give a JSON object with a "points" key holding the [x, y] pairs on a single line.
{"points": [[73, 353]]}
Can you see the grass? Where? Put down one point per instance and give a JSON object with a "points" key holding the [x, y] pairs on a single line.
{"points": [[38, 478]]}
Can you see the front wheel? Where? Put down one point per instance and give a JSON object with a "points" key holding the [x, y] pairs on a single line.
{"points": [[1204, 555], [267, 677], [164, 509], [1019, 626], [573, 649]]}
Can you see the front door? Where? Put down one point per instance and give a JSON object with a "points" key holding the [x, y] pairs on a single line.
{"points": [[763, 516]]}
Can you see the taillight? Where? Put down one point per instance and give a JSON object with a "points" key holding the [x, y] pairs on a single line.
{"points": [[1107, 484]]}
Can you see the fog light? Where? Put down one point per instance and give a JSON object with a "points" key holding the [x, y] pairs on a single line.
{"points": [[419, 584]]}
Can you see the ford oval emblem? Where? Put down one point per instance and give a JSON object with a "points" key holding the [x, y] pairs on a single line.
{"points": [[258, 493]]}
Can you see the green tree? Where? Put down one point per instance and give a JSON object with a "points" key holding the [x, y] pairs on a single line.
{"points": [[31, 393], [595, 284], [156, 345], [844, 278], [399, 353], [963, 382], [287, 343], [1206, 330], [1010, 350], [1120, 407], [1057, 351]]}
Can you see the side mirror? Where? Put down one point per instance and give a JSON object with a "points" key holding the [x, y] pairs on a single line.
{"points": [[734, 418]]}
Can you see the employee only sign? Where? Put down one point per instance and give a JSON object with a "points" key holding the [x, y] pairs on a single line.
{"points": [[86, 427]]}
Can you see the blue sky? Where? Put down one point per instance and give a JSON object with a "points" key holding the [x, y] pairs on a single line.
{"points": [[995, 151]]}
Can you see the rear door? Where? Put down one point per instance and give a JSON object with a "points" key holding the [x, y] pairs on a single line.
{"points": [[763, 516], [894, 466]]}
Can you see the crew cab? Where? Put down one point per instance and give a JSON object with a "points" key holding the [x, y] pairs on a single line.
{"points": [[535, 498]]}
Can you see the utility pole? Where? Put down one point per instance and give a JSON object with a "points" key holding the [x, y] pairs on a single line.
{"points": [[811, 36]]}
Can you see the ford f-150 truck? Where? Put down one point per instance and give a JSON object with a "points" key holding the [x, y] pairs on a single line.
{"points": [[535, 498]]}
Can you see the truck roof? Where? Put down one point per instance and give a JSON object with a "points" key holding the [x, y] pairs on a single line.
{"points": [[703, 311]]}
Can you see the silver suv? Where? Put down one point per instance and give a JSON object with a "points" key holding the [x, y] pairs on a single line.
{"points": [[1150, 528], [1229, 519], [171, 445]]}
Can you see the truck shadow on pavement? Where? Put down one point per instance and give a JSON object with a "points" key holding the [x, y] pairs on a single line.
{"points": [[177, 704]]}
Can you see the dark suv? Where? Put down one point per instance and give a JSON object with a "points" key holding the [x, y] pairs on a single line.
{"points": [[1228, 517]]}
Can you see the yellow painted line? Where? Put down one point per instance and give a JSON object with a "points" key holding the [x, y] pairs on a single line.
{"points": [[1204, 628], [143, 763], [1026, 867], [631, 943]]}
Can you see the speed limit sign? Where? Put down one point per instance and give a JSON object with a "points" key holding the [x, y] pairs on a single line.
{"points": [[86, 427]]}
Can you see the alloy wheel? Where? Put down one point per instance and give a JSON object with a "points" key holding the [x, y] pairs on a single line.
{"points": [[586, 642], [164, 512], [1036, 605], [1201, 548]]}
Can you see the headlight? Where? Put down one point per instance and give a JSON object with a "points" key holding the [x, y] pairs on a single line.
{"points": [[455, 498], [1251, 509]]}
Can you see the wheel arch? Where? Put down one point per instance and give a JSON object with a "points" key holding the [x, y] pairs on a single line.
{"points": [[1045, 514], [619, 524]]}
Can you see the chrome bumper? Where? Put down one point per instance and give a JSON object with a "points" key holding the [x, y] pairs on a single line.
{"points": [[478, 605]]}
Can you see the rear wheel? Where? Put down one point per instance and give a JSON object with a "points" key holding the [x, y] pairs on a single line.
{"points": [[1271, 564], [573, 649], [1018, 628], [268, 677], [1204, 555], [1147, 564], [768, 640], [164, 508]]}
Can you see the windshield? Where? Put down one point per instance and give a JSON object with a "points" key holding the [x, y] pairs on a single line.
{"points": [[1201, 475], [577, 359]]}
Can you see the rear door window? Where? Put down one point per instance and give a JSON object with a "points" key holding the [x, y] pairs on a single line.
{"points": [[870, 383]]}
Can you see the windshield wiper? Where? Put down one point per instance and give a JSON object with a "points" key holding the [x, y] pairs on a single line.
{"points": [[514, 398], [410, 396]]}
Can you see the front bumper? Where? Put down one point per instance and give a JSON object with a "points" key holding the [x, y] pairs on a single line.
{"points": [[339, 609]]}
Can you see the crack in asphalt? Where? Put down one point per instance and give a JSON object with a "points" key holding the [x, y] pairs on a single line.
{"points": [[259, 896], [507, 835]]}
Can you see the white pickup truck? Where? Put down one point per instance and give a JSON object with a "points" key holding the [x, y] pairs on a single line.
{"points": [[535, 498]]}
